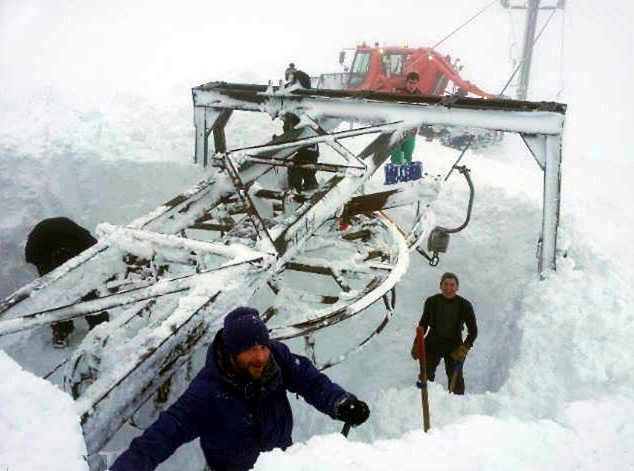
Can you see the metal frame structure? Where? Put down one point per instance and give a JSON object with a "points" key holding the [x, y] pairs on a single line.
{"points": [[540, 124]]}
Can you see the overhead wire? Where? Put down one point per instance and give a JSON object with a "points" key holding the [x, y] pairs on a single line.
{"points": [[463, 24], [466, 147], [561, 54], [482, 10], [523, 58], [513, 50]]}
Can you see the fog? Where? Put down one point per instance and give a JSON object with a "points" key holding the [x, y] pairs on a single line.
{"points": [[147, 45]]}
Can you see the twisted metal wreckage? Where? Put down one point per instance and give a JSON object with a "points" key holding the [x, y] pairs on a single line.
{"points": [[168, 278]]}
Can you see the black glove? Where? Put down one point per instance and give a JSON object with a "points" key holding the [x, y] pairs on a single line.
{"points": [[353, 412], [414, 352]]}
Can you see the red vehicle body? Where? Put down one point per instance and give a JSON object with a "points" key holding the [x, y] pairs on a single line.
{"points": [[385, 68]]}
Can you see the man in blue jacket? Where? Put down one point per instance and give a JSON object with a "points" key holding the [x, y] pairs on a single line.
{"points": [[237, 403]]}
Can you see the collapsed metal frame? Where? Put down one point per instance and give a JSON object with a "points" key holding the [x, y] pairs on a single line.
{"points": [[108, 401], [104, 410], [540, 124]]}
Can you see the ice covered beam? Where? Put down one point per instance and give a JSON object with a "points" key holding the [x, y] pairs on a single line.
{"points": [[497, 114], [326, 202], [541, 123], [207, 120], [551, 204]]}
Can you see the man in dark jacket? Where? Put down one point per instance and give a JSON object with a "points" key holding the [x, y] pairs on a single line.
{"points": [[293, 75], [300, 179], [237, 403], [446, 314], [52, 242]]}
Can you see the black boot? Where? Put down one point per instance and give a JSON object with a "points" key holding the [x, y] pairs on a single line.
{"points": [[61, 332]]}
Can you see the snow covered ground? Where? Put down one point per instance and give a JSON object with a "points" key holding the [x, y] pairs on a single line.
{"points": [[38, 423], [550, 380]]}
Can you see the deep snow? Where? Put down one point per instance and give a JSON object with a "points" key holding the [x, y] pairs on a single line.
{"points": [[38, 423], [551, 377]]}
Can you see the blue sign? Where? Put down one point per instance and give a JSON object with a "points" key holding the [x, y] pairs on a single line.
{"points": [[410, 171]]}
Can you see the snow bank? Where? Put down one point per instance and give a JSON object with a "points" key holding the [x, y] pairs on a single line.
{"points": [[549, 379], [570, 441], [39, 427], [86, 188], [581, 313]]}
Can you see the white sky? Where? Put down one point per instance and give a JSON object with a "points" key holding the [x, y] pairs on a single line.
{"points": [[97, 47], [139, 43]]}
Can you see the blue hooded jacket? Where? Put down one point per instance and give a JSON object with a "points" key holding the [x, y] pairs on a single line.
{"points": [[234, 417]]}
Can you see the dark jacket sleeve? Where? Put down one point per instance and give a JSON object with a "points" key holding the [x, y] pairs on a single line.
{"points": [[424, 322], [425, 319], [179, 424], [301, 377], [470, 321], [303, 78]]}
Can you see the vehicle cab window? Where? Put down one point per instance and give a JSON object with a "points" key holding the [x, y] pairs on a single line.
{"points": [[394, 63], [359, 69]]}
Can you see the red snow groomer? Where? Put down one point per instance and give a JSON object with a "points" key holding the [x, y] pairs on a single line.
{"points": [[384, 69]]}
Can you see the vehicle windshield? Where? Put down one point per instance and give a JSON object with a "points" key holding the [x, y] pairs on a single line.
{"points": [[359, 69], [393, 63]]}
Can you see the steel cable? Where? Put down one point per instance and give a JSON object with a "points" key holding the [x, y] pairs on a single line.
{"points": [[523, 59], [463, 24]]}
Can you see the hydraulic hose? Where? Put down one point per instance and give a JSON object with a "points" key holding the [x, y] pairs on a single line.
{"points": [[465, 171]]}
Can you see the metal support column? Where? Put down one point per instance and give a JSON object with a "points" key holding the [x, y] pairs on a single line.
{"points": [[552, 197], [208, 119], [527, 51]]}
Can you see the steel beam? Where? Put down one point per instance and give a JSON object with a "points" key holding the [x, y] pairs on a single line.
{"points": [[551, 205], [363, 107], [539, 123]]}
